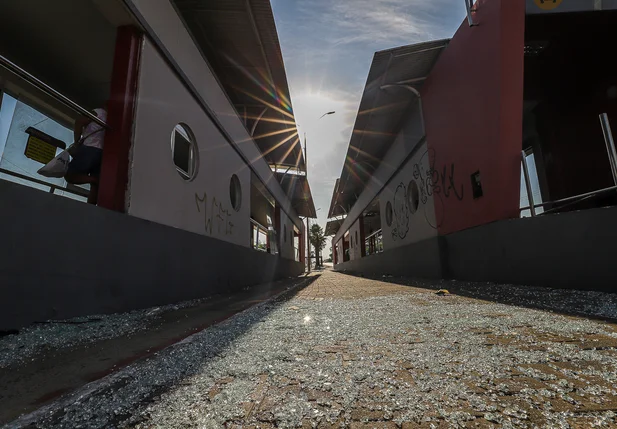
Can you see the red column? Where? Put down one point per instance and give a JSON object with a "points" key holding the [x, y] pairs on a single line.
{"points": [[120, 114], [303, 245]]}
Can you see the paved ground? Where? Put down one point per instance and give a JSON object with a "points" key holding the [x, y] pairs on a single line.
{"points": [[50, 359], [352, 352]]}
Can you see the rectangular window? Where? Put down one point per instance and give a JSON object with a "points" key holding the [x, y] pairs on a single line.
{"points": [[259, 237], [15, 118]]}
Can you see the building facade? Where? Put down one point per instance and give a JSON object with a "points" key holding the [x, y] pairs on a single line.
{"points": [[434, 181], [202, 184]]}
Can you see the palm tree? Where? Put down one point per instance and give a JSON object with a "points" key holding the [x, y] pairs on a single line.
{"points": [[317, 240]]}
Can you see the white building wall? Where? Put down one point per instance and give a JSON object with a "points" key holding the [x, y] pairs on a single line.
{"points": [[161, 21], [409, 225], [355, 249], [156, 190], [286, 242], [339, 252]]}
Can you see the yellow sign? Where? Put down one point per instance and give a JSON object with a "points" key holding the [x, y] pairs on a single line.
{"points": [[547, 4], [39, 150]]}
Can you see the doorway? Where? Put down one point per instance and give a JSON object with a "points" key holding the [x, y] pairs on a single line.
{"points": [[570, 79]]}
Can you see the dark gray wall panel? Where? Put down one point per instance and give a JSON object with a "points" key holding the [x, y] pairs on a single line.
{"points": [[574, 250], [60, 258], [421, 260]]}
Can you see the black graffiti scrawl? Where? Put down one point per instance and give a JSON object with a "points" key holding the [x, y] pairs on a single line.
{"points": [[400, 218], [437, 182], [432, 181], [217, 219]]}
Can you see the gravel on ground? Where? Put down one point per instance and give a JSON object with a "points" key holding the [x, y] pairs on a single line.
{"points": [[354, 352]]}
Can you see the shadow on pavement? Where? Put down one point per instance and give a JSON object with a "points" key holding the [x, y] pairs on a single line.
{"points": [[569, 302], [31, 386]]}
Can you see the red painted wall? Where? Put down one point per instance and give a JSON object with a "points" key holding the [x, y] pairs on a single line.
{"points": [[473, 110]]}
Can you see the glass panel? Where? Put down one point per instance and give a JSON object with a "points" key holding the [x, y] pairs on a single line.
{"points": [[535, 187], [262, 240], [13, 142], [7, 108], [182, 153]]}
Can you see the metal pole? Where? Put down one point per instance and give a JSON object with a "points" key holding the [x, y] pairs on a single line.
{"points": [[308, 245], [610, 144], [468, 6], [308, 241], [532, 209]]}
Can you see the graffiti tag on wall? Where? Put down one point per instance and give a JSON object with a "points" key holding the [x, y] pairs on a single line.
{"points": [[400, 215], [217, 219], [435, 181], [428, 181]]}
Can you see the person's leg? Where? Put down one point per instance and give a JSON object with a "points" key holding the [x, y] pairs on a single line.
{"points": [[84, 169]]}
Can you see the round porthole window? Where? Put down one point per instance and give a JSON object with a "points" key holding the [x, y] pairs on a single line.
{"points": [[235, 193], [389, 213], [413, 196], [184, 151], [285, 232]]}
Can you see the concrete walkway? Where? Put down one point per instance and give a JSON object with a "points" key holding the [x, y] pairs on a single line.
{"points": [[352, 352]]}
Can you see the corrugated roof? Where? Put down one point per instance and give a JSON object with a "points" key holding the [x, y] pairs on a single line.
{"points": [[381, 114], [240, 41], [299, 192], [334, 200]]}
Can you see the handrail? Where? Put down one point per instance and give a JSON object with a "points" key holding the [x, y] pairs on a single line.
{"points": [[53, 187], [373, 234], [610, 144], [260, 226], [574, 198], [12, 67]]}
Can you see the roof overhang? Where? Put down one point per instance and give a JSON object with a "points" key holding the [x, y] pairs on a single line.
{"points": [[299, 192], [240, 41], [393, 87], [332, 227]]}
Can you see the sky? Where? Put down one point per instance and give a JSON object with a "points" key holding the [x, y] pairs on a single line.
{"points": [[328, 47]]}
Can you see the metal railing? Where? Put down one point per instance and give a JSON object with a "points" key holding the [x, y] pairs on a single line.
{"points": [[75, 190], [377, 237], [260, 228], [612, 157], [14, 68]]}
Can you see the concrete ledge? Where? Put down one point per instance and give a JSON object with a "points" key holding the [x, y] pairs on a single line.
{"points": [[574, 250], [60, 258], [421, 260]]}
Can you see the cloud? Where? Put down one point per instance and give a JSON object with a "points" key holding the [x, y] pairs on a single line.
{"points": [[378, 23], [328, 47]]}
